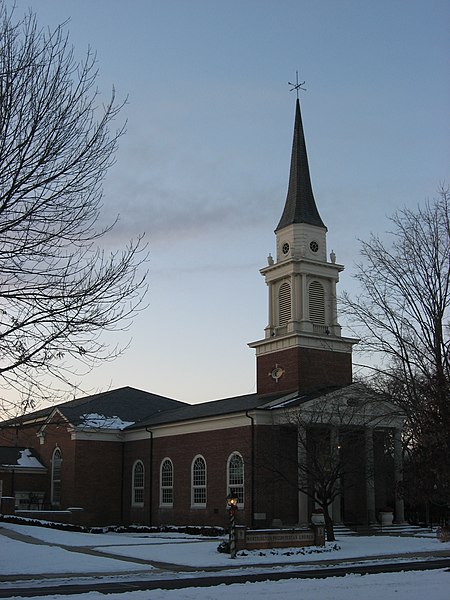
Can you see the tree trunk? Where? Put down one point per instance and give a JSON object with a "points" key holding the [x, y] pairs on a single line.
{"points": [[328, 524]]}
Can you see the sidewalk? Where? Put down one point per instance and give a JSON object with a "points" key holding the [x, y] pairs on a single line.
{"points": [[160, 568]]}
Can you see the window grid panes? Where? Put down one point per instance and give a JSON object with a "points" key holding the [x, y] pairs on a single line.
{"points": [[138, 484], [199, 481], [56, 477], [236, 477], [167, 482]]}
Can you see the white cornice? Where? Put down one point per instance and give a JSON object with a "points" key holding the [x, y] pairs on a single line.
{"points": [[216, 423], [91, 435], [301, 265], [18, 469], [49, 419], [303, 340]]}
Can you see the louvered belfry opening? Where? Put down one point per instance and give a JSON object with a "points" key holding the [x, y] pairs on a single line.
{"points": [[317, 303], [284, 304]]}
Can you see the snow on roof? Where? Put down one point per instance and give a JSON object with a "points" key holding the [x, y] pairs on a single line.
{"points": [[96, 421], [25, 460]]}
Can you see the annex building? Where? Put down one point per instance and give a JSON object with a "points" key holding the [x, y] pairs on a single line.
{"points": [[130, 456]]}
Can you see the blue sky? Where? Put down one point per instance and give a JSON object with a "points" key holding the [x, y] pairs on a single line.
{"points": [[203, 167]]}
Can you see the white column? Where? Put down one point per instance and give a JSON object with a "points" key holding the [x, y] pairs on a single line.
{"points": [[271, 308], [306, 324], [302, 478], [398, 466], [294, 298], [336, 513], [370, 477], [293, 320]]}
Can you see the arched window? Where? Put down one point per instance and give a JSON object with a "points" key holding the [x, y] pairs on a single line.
{"points": [[137, 485], [199, 481], [56, 477], [317, 303], [284, 303], [235, 477], [166, 480]]}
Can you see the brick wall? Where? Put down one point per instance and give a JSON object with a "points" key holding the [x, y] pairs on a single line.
{"points": [[305, 370], [56, 435], [98, 481], [275, 475], [133, 451], [22, 482], [215, 447]]}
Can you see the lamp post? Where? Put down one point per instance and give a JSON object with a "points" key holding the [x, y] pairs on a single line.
{"points": [[232, 502]]}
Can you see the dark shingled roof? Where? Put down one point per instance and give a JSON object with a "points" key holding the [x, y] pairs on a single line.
{"points": [[214, 408], [10, 457], [127, 403], [144, 409], [300, 205]]}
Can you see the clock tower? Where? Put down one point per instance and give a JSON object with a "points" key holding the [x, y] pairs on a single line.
{"points": [[303, 349]]}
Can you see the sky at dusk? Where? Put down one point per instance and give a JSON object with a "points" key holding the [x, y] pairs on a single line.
{"points": [[203, 168]]}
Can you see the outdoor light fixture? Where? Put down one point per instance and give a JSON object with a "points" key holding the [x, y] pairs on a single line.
{"points": [[232, 502]]}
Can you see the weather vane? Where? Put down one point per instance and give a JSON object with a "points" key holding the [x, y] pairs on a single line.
{"points": [[297, 86]]}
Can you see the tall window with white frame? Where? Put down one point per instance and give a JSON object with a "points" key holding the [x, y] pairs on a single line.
{"points": [[137, 486], [235, 477], [199, 481], [56, 477], [166, 480]]}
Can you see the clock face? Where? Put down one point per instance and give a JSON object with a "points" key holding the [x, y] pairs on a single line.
{"points": [[314, 246], [285, 248]]}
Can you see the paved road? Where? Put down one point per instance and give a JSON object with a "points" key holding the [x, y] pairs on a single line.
{"points": [[220, 578], [177, 577]]}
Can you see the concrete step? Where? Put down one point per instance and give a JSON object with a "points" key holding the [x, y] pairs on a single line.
{"points": [[376, 529]]}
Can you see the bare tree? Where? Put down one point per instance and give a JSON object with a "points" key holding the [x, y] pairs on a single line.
{"points": [[330, 456], [59, 288], [402, 317]]}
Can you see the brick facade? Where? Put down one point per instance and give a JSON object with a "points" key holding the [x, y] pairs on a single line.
{"points": [[215, 447], [305, 370]]}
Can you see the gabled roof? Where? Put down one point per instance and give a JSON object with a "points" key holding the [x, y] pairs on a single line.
{"points": [[125, 404], [300, 206], [225, 406], [342, 406], [295, 399], [235, 405]]}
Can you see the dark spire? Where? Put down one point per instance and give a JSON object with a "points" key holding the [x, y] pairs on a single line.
{"points": [[300, 205]]}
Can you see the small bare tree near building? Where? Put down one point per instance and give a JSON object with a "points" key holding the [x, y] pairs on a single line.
{"points": [[327, 429], [59, 287]]}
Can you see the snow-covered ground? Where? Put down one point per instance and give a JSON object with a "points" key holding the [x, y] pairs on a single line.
{"points": [[63, 556]]}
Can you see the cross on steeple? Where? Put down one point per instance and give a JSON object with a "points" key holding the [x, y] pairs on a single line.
{"points": [[297, 86]]}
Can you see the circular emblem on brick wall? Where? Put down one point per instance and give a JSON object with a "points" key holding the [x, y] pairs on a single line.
{"points": [[276, 373]]}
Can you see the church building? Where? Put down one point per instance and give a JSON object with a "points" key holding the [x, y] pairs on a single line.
{"points": [[129, 456]]}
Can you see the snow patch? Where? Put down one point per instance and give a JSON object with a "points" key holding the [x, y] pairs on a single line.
{"points": [[96, 421], [26, 459]]}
